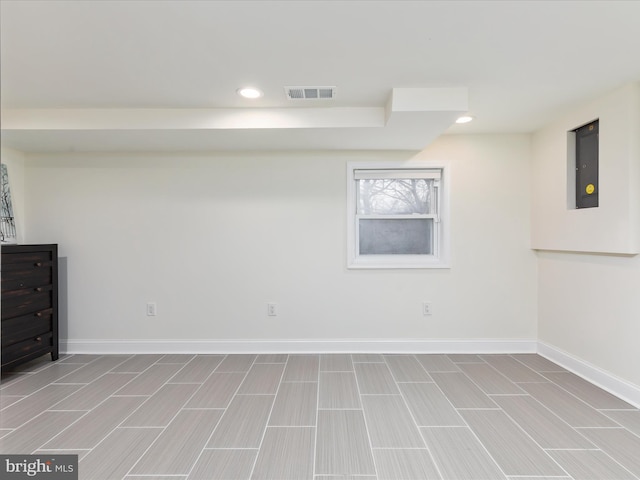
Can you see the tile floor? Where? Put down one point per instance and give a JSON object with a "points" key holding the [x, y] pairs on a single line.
{"points": [[319, 417]]}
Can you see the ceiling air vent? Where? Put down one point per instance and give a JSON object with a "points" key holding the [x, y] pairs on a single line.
{"points": [[310, 93]]}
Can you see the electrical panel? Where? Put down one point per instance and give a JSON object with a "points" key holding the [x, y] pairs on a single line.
{"points": [[587, 140]]}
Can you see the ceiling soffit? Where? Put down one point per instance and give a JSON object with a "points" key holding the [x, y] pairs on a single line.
{"points": [[410, 119]]}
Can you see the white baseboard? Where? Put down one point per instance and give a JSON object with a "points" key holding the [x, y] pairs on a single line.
{"points": [[366, 345], [616, 386]]}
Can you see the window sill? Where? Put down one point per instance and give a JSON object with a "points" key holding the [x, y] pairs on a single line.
{"points": [[393, 261]]}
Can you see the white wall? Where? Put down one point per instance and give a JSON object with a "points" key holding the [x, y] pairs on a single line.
{"points": [[212, 238], [614, 226], [589, 307], [589, 304]]}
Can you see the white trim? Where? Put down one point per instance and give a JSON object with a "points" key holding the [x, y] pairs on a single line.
{"points": [[397, 261], [571, 170], [347, 345], [607, 381], [402, 173]]}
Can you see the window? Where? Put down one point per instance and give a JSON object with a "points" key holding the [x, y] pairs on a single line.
{"points": [[397, 216]]}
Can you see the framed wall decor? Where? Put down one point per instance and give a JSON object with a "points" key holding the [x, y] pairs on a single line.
{"points": [[8, 223]]}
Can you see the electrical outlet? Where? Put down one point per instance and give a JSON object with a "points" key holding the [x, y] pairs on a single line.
{"points": [[427, 309], [272, 309], [151, 309]]}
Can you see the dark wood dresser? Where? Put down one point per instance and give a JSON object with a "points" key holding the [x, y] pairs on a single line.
{"points": [[29, 303]]}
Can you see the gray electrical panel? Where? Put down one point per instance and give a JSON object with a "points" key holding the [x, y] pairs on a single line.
{"points": [[587, 140]]}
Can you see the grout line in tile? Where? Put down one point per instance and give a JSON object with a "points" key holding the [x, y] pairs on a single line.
{"points": [[69, 449], [524, 383], [399, 383], [572, 449], [233, 448], [590, 450], [600, 428], [364, 417], [264, 433], [290, 426], [118, 426], [64, 429], [45, 386], [618, 409], [68, 383], [133, 428], [255, 394], [315, 434], [120, 395], [327, 408], [486, 409], [431, 456], [182, 383], [401, 448], [380, 394], [477, 408], [235, 394], [199, 408], [163, 429], [40, 413], [53, 409], [535, 441]]}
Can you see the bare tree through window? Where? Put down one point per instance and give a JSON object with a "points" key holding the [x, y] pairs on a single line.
{"points": [[395, 196]]}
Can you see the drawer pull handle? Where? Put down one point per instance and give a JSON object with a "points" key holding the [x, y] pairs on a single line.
{"points": [[39, 314], [37, 264], [38, 289], [38, 339]]}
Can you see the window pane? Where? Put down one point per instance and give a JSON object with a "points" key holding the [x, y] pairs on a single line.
{"points": [[394, 196], [405, 236]]}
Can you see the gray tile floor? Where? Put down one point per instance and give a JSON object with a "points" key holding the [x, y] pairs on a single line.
{"points": [[319, 417]]}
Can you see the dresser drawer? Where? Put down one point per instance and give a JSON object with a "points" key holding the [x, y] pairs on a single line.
{"points": [[18, 303], [22, 328], [34, 345], [40, 256], [16, 276]]}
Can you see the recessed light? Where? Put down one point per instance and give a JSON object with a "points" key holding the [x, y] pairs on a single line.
{"points": [[249, 92], [464, 119]]}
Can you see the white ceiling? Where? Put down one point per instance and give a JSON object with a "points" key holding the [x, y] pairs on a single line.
{"points": [[170, 62]]}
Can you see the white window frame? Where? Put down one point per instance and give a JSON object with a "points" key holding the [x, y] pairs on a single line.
{"points": [[441, 256]]}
